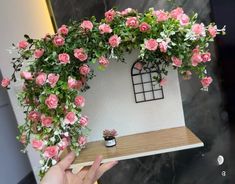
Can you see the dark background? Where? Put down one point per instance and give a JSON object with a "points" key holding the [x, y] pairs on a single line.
{"points": [[210, 115]]}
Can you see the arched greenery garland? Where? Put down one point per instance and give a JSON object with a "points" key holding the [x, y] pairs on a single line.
{"points": [[57, 68]]}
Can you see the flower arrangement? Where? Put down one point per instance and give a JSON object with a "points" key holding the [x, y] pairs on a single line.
{"points": [[56, 69], [109, 133], [109, 137]]}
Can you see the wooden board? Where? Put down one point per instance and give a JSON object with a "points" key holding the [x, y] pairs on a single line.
{"points": [[139, 145]]}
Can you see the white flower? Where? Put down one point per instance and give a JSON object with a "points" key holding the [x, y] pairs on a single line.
{"points": [[66, 134], [159, 40], [52, 139], [163, 35], [112, 55], [56, 132], [53, 162], [42, 169], [204, 89], [41, 162]]}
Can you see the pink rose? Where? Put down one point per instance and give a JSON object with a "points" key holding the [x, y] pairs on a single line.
{"points": [[58, 40], [34, 116], [83, 121], [161, 15], [83, 79], [187, 75], [114, 41], [105, 28], [53, 79], [206, 57], [163, 82], [138, 66], [198, 29], [72, 83], [184, 19], [84, 69], [51, 151], [64, 58], [63, 30], [63, 143], [5, 82], [80, 54], [82, 141], [144, 27], [38, 53], [23, 138], [41, 79], [36, 101], [46, 120], [151, 44], [27, 101], [47, 37], [206, 81], [26, 75], [23, 44], [103, 61], [176, 13], [163, 46], [195, 59], [52, 101], [87, 25], [212, 31], [79, 85], [79, 101], [126, 11], [196, 50], [176, 61], [109, 15], [132, 22], [37, 144], [70, 118]]}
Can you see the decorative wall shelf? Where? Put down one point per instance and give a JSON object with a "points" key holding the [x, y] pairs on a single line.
{"points": [[139, 145]]}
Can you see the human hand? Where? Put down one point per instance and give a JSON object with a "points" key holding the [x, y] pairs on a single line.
{"points": [[60, 173]]}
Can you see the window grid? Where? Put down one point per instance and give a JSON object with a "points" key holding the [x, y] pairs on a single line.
{"points": [[146, 70]]}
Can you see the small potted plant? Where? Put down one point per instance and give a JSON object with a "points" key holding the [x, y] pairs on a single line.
{"points": [[109, 137]]}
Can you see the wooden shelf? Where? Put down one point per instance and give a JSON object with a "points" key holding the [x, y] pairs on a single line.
{"points": [[139, 145]]}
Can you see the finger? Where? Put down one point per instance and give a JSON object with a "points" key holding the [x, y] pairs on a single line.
{"points": [[69, 173], [67, 161], [105, 167], [82, 174], [91, 175]]}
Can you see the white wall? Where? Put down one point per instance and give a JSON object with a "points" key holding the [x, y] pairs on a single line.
{"points": [[110, 103], [19, 17]]}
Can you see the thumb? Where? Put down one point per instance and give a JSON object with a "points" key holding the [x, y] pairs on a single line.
{"points": [[67, 161]]}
